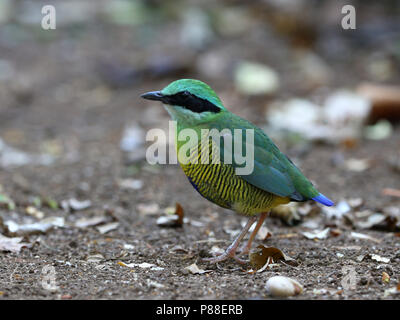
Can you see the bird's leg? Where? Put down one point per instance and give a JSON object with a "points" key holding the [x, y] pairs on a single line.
{"points": [[230, 252], [247, 247]]}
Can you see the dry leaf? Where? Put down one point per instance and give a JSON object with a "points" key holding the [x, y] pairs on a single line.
{"points": [[107, 227], [362, 236], [266, 255], [385, 277], [317, 234], [372, 220], [172, 221], [39, 227], [148, 209], [194, 269], [12, 244], [379, 258], [75, 205], [88, 222], [97, 257], [143, 265], [391, 291]]}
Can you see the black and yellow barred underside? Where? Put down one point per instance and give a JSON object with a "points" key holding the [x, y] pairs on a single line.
{"points": [[218, 183]]}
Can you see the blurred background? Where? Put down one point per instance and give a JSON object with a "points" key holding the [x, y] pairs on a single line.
{"points": [[70, 96], [73, 125]]}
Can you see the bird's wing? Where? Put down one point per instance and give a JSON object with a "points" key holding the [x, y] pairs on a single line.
{"points": [[273, 171]]}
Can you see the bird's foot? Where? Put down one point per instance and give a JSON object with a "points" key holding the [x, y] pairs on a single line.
{"points": [[224, 257], [228, 254]]}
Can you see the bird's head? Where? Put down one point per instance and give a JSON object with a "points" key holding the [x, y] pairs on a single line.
{"points": [[187, 100]]}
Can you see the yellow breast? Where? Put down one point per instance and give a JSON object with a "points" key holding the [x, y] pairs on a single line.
{"points": [[218, 183]]}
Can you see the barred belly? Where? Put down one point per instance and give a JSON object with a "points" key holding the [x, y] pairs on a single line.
{"points": [[219, 184]]}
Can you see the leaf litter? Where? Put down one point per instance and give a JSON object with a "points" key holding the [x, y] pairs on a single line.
{"points": [[260, 259], [173, 219], [12, 244]]}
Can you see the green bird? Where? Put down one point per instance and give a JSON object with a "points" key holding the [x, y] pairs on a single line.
{"points": [[274, 179]]}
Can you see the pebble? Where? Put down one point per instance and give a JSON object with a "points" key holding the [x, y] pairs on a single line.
{"points": [[280, 286]]}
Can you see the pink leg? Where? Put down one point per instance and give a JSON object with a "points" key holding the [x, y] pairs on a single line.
{"points": [[247, 247], [230, 252]]}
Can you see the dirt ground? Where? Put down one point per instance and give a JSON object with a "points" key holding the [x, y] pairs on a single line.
{"points": [[173, 249], [64, 100]]}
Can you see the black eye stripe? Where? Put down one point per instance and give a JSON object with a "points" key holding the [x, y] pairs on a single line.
{"points": [[191, 102]]}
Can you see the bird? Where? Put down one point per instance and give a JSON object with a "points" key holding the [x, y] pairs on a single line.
{"points": [[274, 180]]}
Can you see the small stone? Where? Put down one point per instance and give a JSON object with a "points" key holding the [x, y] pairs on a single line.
{"points": [[280, 286]]}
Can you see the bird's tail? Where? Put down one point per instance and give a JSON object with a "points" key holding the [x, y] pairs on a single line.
{"points": [[324, 200]]}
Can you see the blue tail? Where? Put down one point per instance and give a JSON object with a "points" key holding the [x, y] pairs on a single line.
{"points": [[324, 200]]}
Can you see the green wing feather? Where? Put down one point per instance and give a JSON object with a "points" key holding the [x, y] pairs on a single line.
{"points": [[273, 171]]}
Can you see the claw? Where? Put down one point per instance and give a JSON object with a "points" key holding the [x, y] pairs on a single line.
{"points": [[225, 256], [231, 251]]}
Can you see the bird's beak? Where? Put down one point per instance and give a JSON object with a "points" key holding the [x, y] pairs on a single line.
{"points": [[153, 95]]}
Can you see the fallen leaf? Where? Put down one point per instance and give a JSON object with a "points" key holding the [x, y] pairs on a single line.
{"points": [[143, 265], [266, 255], [362, 236], [317, 234], [194, 269], [173, 220], [391, 291], [88, 222], [122, 264], [12, 244], [96, 258], [379, 258], [148, 209], [75, 205], [38, 227], [385, 277], [372, 220], [107, 227]]}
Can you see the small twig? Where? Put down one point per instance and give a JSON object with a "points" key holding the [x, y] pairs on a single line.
{"points": [[391, 192]]}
